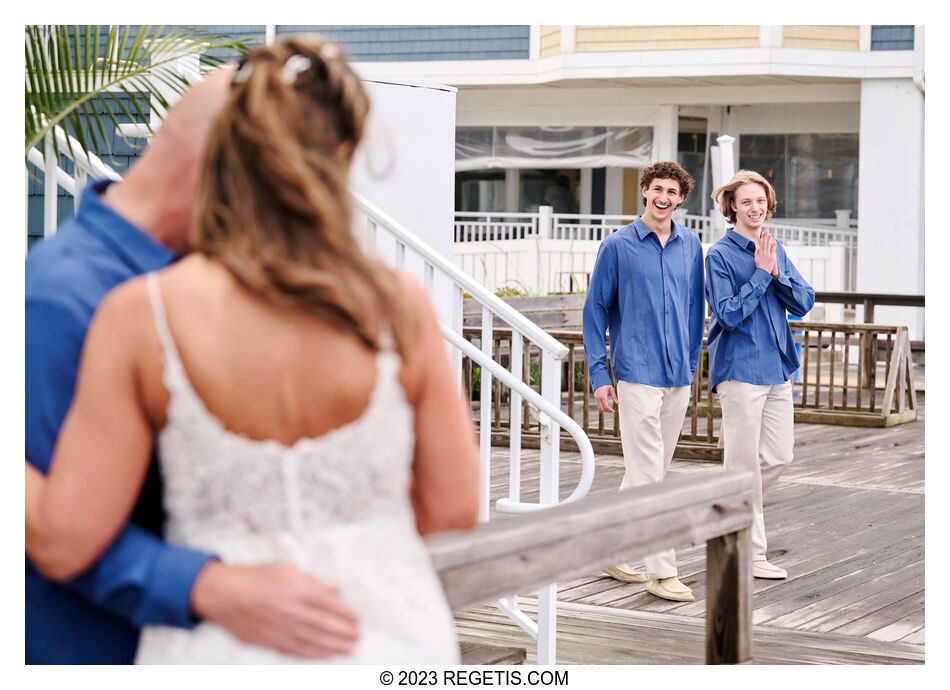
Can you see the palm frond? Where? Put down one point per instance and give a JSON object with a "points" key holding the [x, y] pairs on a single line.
{"points": [[80, 82]]}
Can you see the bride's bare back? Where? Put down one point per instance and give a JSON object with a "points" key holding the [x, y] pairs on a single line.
{"points": [[263, 371]]}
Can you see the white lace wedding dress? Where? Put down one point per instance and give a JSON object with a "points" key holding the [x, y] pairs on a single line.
{"points": [[336, 506]]}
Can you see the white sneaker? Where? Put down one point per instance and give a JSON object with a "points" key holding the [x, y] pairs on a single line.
{"points": [[767, 571]]}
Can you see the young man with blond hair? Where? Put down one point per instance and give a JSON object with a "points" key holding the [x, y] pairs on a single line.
{"points": [[750, 285], [647, 290]]}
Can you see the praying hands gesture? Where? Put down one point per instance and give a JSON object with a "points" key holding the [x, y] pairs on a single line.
{"points": [[765, 254]]}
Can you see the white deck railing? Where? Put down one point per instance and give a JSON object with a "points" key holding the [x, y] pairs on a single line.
{"points": [[436, 269], [485, 245]]}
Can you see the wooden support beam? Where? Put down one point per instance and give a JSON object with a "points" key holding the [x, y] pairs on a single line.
{"points": [[729, 599]]}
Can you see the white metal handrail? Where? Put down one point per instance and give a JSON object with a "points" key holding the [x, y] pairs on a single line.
{"points": [[548, 402], [533, 398]]}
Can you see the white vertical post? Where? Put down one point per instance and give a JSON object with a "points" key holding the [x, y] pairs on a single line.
{"points": [[547, 624], [50, 189], [457, 308], [512, 184], [80, 186], [550, 482], [568, 38], [514, 405], [727, 159], [484, 420], [770, 36], [534, 41], [270, 34], [545, 222]]}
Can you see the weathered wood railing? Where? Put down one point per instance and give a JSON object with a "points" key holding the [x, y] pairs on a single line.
{"points": [[519, 554], [697, 441], [851, 374]]}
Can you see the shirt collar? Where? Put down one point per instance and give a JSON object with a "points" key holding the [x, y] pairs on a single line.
{"points": [[138, 247], [642, 230], [742, 242]]}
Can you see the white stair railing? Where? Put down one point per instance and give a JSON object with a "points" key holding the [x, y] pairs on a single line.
{"points": [[436, 267], [399, 245]]}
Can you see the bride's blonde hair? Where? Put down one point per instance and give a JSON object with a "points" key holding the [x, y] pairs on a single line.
{"points": [[273, 205]]}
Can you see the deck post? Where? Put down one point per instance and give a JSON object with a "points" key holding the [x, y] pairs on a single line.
{"points": [[729, 599]]}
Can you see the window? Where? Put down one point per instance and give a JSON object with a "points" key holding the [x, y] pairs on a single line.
{"points": [[892, 37], [813, 174]]}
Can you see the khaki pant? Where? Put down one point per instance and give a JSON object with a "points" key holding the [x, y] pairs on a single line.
{"points": [[758, 432], [651, 419]]}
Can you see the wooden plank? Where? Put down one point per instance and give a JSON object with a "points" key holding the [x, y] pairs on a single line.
{"points": [[475, 654], [893, 366], [599, 635]]}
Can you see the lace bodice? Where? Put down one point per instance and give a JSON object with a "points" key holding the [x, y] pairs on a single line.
{"points": [[221, 480], [337, 505]]}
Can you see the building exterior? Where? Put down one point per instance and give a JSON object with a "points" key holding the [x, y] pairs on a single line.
{"points": [[567, 117]]}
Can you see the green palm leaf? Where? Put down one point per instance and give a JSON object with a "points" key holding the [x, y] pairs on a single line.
{"points": [[82, 78]]}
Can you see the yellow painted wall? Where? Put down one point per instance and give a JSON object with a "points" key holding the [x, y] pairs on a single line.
{"points": [[594, 38], [631, 191], [550, 40], [827, 37]]}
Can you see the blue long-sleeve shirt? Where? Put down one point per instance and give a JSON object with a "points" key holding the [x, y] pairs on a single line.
{"points": [[749, 337], [650, 298], [95, 617]]}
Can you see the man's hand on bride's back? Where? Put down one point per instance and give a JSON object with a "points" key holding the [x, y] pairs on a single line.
{"points": [[278, 606]]}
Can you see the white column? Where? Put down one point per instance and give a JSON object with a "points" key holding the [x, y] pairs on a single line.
{"points": [[568, 34], [585, 187], [512, 182], [665, 132], [891, 197], [770, 35], [534, 42], [613, 201]]}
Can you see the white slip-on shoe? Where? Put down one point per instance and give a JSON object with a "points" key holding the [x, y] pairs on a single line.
{"points": [[670, 588], [625, 573], [767, 571]]}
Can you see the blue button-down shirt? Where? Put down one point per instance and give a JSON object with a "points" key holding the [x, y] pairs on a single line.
{"points": [[650, 298], [749, 337], [95, 617]]}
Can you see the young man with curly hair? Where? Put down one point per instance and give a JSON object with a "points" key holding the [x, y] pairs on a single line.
{"points": [[647, 291], [750, 285]]}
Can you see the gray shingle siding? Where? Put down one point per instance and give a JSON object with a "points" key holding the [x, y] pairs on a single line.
{"points": [[412, 43], [123, 152]]}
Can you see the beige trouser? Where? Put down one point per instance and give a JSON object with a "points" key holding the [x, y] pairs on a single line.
{"points": [[758, 432], [651, 419]]}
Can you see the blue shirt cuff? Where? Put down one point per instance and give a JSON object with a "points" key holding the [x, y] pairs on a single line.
{"points": [[174, 575], [784, 279], [598, 380], [761, 278]]}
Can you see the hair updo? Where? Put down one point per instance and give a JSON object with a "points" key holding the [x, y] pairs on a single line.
{"points": [[273, 204]]}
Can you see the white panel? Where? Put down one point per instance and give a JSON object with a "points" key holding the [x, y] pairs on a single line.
{"points": [[891, 197], [406, 165]]}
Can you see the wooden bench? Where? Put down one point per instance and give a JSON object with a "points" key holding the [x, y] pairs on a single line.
{"points": [[518, 554]]}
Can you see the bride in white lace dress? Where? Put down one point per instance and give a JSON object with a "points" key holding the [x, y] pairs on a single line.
{"points": [[298, 392]]}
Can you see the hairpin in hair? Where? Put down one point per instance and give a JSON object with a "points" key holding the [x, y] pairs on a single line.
{"points": [[243, 73], [293, 67]]}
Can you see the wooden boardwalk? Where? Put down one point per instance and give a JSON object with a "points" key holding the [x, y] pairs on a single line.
{"points": [[846, 521]]}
